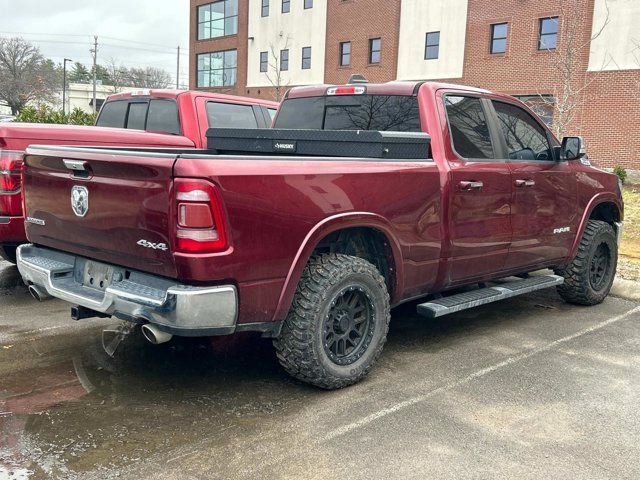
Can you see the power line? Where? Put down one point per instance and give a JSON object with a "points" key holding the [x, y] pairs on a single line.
{"points": [[89, 37]]}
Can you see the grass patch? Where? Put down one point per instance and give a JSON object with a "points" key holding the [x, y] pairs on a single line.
{"points": [[629, 264]]}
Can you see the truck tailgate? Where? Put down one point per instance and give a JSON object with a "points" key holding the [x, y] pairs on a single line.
{"points": [[110, 207]]}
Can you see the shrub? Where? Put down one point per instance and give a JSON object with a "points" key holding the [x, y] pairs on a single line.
{"points": [[46, 114], [621, 173]]}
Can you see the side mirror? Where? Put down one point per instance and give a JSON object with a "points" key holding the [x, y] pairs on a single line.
{"points": [[573, 148]]}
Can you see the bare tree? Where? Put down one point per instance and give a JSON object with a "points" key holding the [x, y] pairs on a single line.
{"points": [[150, 77], [25, 75], [275, 74], [118, 75], [568, 94]]}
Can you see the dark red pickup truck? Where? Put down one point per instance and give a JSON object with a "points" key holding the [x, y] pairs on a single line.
{"points": [[148, 118], [363, 197]]}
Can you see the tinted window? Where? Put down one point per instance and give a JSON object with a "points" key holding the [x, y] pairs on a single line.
{"points": [[525, 137], [137, 116], [468, 125], [272, 113], [228, 115], [163, 117], [112, 114], [358, 112]]}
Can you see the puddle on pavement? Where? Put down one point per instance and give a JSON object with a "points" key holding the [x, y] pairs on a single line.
{"points": [[78, 409]]}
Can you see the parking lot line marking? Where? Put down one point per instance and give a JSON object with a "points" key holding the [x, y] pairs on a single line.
{"points": [[480, 373]]}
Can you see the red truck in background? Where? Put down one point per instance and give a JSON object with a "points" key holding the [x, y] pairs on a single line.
{"points": [[386, 193], [151, 118]]}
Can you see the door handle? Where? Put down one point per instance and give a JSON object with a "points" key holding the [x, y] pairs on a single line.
{"points": [[467, 185], [525, 183]]}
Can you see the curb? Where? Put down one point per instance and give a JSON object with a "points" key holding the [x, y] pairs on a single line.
{"points": [[626, 289]]}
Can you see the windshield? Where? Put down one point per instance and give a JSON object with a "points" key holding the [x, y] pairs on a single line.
{"points": [[352, 112]]}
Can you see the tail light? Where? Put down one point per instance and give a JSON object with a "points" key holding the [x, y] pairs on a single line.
{"points": [[10, 182], [200, 218]]}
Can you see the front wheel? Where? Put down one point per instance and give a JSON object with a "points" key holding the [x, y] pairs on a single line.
{"points": [[8, 253], [338, 322], [588, 278]]}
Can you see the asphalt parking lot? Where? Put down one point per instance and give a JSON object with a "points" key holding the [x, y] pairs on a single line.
{"points": [[527, 388]]}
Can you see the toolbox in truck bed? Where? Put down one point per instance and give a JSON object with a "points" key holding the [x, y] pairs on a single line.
{"points": [[328, 143]]}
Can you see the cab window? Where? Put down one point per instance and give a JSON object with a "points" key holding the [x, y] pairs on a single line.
{"points": [[137, 117], [163, 117], [113, 114], [526, 139], [229, 115], [468, 126]]}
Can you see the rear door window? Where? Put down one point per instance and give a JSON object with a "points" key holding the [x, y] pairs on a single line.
{"points": [[468, 126], [526, 138], [163, 117], [351, 112], [137, 117], [113, 114], [229, 115]]}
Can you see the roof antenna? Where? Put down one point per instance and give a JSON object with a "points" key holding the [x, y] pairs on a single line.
{"points": [[357, 78]]}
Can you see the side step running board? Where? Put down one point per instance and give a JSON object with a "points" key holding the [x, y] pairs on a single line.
{"points": [[475, 298]]}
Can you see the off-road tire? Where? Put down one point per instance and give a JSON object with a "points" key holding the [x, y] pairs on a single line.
{"points": [[302, 344], [578, 287], [8, 253]]}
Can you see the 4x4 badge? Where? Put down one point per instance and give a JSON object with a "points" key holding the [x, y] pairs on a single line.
{"points": [[80, 200], [155, 246]]}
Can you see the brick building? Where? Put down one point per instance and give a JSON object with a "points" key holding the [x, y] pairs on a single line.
{"points": [[577, 62]]}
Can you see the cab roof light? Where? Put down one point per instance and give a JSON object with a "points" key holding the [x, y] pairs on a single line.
{"points": [[347, 90]]}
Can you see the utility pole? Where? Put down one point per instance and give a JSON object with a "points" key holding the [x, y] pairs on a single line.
{"points": [[64, 85], [94, 52], [178, 71]]}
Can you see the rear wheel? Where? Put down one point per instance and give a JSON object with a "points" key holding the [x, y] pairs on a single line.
{"points": [[8, 253], [338, 322], [588, 278]]}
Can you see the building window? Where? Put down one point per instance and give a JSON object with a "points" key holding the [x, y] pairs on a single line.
{"points": [[264, 61], [265, 8], [284, 60], [217, 69], [308, 4], [499, 33], [548, 38], [375, 50], [345, 54], [432, 46], [218, 19], [286, 6], [306, 58]]}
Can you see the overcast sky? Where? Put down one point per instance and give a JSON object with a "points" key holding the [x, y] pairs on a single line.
{"points": [[136, 33]]}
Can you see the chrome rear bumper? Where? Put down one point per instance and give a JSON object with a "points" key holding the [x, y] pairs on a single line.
{"points": [[176, 308]]}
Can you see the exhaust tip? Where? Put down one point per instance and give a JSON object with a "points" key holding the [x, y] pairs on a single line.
{"points": [[154, 335], [38, 293]]}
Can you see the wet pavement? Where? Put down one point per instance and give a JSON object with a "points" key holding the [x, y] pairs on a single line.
{"points": [[527, 388]]}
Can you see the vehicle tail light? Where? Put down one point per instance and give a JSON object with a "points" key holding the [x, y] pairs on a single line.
{"points": [[10, 182], [349, 90], [200, 218]]}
